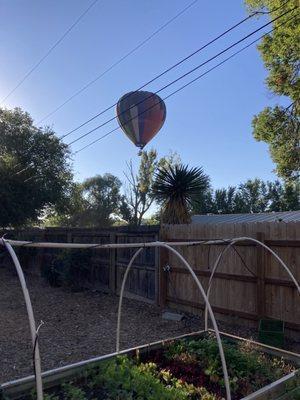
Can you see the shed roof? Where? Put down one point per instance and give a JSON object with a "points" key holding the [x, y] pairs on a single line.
{"points": [[285, 216]]}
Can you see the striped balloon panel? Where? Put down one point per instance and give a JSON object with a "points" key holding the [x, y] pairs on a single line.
{"points": [[141, 115]]}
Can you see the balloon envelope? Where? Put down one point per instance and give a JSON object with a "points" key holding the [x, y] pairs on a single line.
{"points": [[141, 115]]}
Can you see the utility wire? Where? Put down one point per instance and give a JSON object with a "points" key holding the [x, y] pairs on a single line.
{"points": [[182, 76], [183, 87], [173, 66], [176, 91], [120, 60], [141, 44], [49, 51]]}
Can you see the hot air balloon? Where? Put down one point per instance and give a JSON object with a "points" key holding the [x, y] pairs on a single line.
{"points": [[141, 115]]}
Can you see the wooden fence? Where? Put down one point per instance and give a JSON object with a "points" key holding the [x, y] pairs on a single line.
{"points": [[107, 266], [250, 283]]}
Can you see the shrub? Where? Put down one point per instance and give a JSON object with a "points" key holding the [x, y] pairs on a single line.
{"points": [[69, 268]]}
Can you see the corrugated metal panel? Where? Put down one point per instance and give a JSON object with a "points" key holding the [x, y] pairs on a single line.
{"points": [[286, 216]]}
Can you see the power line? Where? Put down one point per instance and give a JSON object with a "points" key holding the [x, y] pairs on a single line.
{"points": [[184, 75], [173, 66], [176, 91], [195, 79], [189, 83], [181, 88], [141, 44], [186, 85], [49, 51]]}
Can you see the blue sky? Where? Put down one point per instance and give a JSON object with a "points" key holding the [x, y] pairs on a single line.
{"points": [[208, 124]]}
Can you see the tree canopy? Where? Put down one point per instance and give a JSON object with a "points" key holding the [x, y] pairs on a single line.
{"points": [[95, 202], [35, 170], [279, 127], [252, 196]]}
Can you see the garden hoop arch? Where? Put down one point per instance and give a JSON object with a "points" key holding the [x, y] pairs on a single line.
{"points": [[34, 331], [202, 291], [168, 245]]}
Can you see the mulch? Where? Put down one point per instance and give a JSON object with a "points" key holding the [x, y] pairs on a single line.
{"points": [[77, 325]]}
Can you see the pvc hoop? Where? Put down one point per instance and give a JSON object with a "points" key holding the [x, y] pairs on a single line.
{"points": [[32, 325], [202, 291], [121, 296]]}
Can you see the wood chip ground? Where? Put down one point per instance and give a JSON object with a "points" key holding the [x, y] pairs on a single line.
{"points": [[77, 325]]}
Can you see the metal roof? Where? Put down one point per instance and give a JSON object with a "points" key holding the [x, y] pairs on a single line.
{"points": [[285, 216]]}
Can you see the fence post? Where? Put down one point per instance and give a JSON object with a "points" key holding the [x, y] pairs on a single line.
{"points": [[112, 264], [69, 236], [41, 253], [157, 268], [164, 258], [260, 262]]}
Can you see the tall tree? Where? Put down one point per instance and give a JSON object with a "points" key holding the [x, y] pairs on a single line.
{"points": [[224, 200], [102, 196], [138, 198], [291, 196], [35, 170], [205, 202], [279, 127], [93, 203], [176, 188], [252, 196]]}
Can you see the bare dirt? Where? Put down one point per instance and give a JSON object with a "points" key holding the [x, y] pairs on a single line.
{"points": [[77, 325]]}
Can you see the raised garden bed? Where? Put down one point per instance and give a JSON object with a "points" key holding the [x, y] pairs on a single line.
{"points": [[184, 368]]}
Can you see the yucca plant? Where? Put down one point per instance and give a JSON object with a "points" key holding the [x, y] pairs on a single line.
{"points": [[176, 187]]}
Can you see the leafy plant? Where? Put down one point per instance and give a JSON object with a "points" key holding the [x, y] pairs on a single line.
{"points": [[73, 393], [183, 370], [248, 368]]}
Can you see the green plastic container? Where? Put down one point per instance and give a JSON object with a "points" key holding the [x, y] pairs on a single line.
{"points": [[271, 332]]}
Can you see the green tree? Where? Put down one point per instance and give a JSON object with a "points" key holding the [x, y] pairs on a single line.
{"points": [[102, 196], [252, 196], [279, 126], [93, 203], [35, 171], [138, 197], [72, 213], [283, 197], [204, 203], [176, 188], [224, 200]]}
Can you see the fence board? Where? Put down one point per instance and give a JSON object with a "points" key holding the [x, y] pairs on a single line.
{"points": [[269, 292], [107, 266]]}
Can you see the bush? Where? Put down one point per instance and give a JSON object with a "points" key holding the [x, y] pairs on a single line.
{"points": [[70, 268]]}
